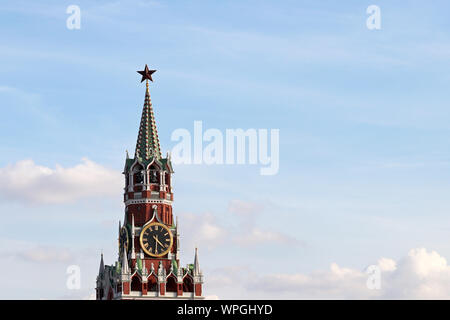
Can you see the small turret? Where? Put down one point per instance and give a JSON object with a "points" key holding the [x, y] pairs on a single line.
{"points": [[197, 271], [133, 234], [102, 265], [160, 269], [118, 237], [152, 268], [144, 269], [180, 274], [125, 269]]}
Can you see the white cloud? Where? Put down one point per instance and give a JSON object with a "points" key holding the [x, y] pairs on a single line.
{"points": [[257, 236], [27, 182], [201, 229], [207, 230], [421, 274], [386, 264], [46, 255], [245, 208], [247, 234], [335, 283], [46, 264], [19, 250]]}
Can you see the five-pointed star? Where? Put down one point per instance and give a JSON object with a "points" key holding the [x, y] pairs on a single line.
{"points": [[146, 74]]}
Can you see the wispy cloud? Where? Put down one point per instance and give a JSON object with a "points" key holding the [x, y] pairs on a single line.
{"points": [[201, 229], [239, 228], [30, 183], [257, 236], [421, 274], [45, 255], [24, 103]]}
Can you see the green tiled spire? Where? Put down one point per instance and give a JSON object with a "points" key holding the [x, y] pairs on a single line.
{"points": [[147, 145]]}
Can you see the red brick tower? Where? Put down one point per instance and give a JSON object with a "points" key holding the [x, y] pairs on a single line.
{"points": [[148, 266]]}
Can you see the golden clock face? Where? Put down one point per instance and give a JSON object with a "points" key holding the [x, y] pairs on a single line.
{"points": [[156, 239]]}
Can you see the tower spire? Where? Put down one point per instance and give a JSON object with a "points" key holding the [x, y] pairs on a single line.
{"points": [[102, 265], [147, 145], [119, 235], [196, 263], [133, 234], [124, 262]]}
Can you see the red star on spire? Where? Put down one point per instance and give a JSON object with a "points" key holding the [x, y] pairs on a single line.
{"points": [[146, 74]]}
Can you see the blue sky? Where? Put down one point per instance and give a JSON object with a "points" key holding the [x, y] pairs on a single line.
{"points": [[363, 118]]}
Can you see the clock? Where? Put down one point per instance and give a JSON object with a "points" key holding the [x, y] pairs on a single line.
{"points": [[156, 239], [123, 240]]}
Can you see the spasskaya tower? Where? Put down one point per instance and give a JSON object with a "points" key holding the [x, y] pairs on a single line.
{"points": [[148, 265]]}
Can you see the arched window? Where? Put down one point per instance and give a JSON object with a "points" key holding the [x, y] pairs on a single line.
{"points": [[167, 180], [154, 174], [152, 283], [188, 285], [136, 284], [171, 285], [138, 174]]}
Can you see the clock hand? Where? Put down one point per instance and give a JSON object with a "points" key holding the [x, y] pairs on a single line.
{"points": [[156, 238]]}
